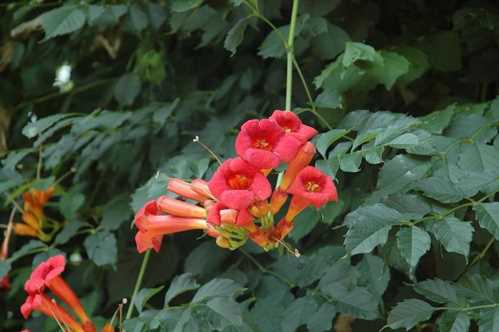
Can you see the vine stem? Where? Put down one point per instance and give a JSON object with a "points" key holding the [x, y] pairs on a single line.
{"points": [[290, 54], [478, 307], [138, 283]]}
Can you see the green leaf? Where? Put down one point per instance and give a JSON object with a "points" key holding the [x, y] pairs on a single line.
{"points": [[489, 320], [185, 5], [34, 129], [62, 20], [351, 162], [272, 46], [144, 295], [409, 313], [216, 288], [330, 43], [180, 284], [227, 308], [154, 188], [393, 66], [418, 64], [321, 319], [235, 35], [455, 235], [205, 259], [138, 18], [360, 52], [325, 140], [101, 248], [488, 217], [127, 89], [298, 313], [369, 227], [375, 274], [304, 223], [437, 121], [70, 203], [69, 230], [413, 243], [454, 322], [437, 290], [115, 213]]}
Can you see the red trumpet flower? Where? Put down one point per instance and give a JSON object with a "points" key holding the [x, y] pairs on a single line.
{"points": [[292, 125], [263, 144], [237, 184], [179, 208], [187, 190], [47, 275], [311, 187], [153, 226]]}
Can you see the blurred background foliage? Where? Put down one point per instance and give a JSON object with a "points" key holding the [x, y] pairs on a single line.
{"points": [[102, 99]]}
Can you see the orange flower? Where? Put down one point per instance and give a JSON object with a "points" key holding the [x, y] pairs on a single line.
{"points": [[33, 216]]}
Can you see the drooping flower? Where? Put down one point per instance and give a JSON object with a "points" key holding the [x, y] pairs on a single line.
{"points": [[263, 144], [310, 187], [237, 184], [292, 125], [220, 214], [42, 303], [48, 275], [153, 226], [33, 216]]}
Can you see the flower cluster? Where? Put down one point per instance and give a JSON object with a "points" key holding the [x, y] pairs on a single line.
{"points": [[35, 222], [238, 203], [47, 277]]}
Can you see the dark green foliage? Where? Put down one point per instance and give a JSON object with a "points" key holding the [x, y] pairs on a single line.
{"points": [[403, 93]]}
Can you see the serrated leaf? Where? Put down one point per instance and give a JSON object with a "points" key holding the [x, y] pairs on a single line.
{"points": [[304, 223], [227, 308], [62, 20], [413, 243], [185, 5], [115, 213], [325, 140], [437, 290], [180, 284], [144, 295], [393, 66], [357, 51], [453, 234], [488, 217], [101, 248], [351, 162], [298, 313], [216, 288], [375, 274], [489, 320], [454, 322], [369, 227], [235, 35], [321, 319], [33, 129], [272, 46], [409, 313]]}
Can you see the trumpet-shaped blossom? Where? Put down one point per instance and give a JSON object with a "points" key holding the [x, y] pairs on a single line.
{"points": [[153, 226], [237, 184], [292, 125], [264, 144], [42, 303], [33, 216], [301, 160], [179, 208], [310, 187], [48, 275], [220, 214], [186, 189]]}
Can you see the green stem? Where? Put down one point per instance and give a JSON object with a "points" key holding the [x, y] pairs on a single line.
{"points": [[290, 54], [263, 269], [138, 283], [478, 307]]}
